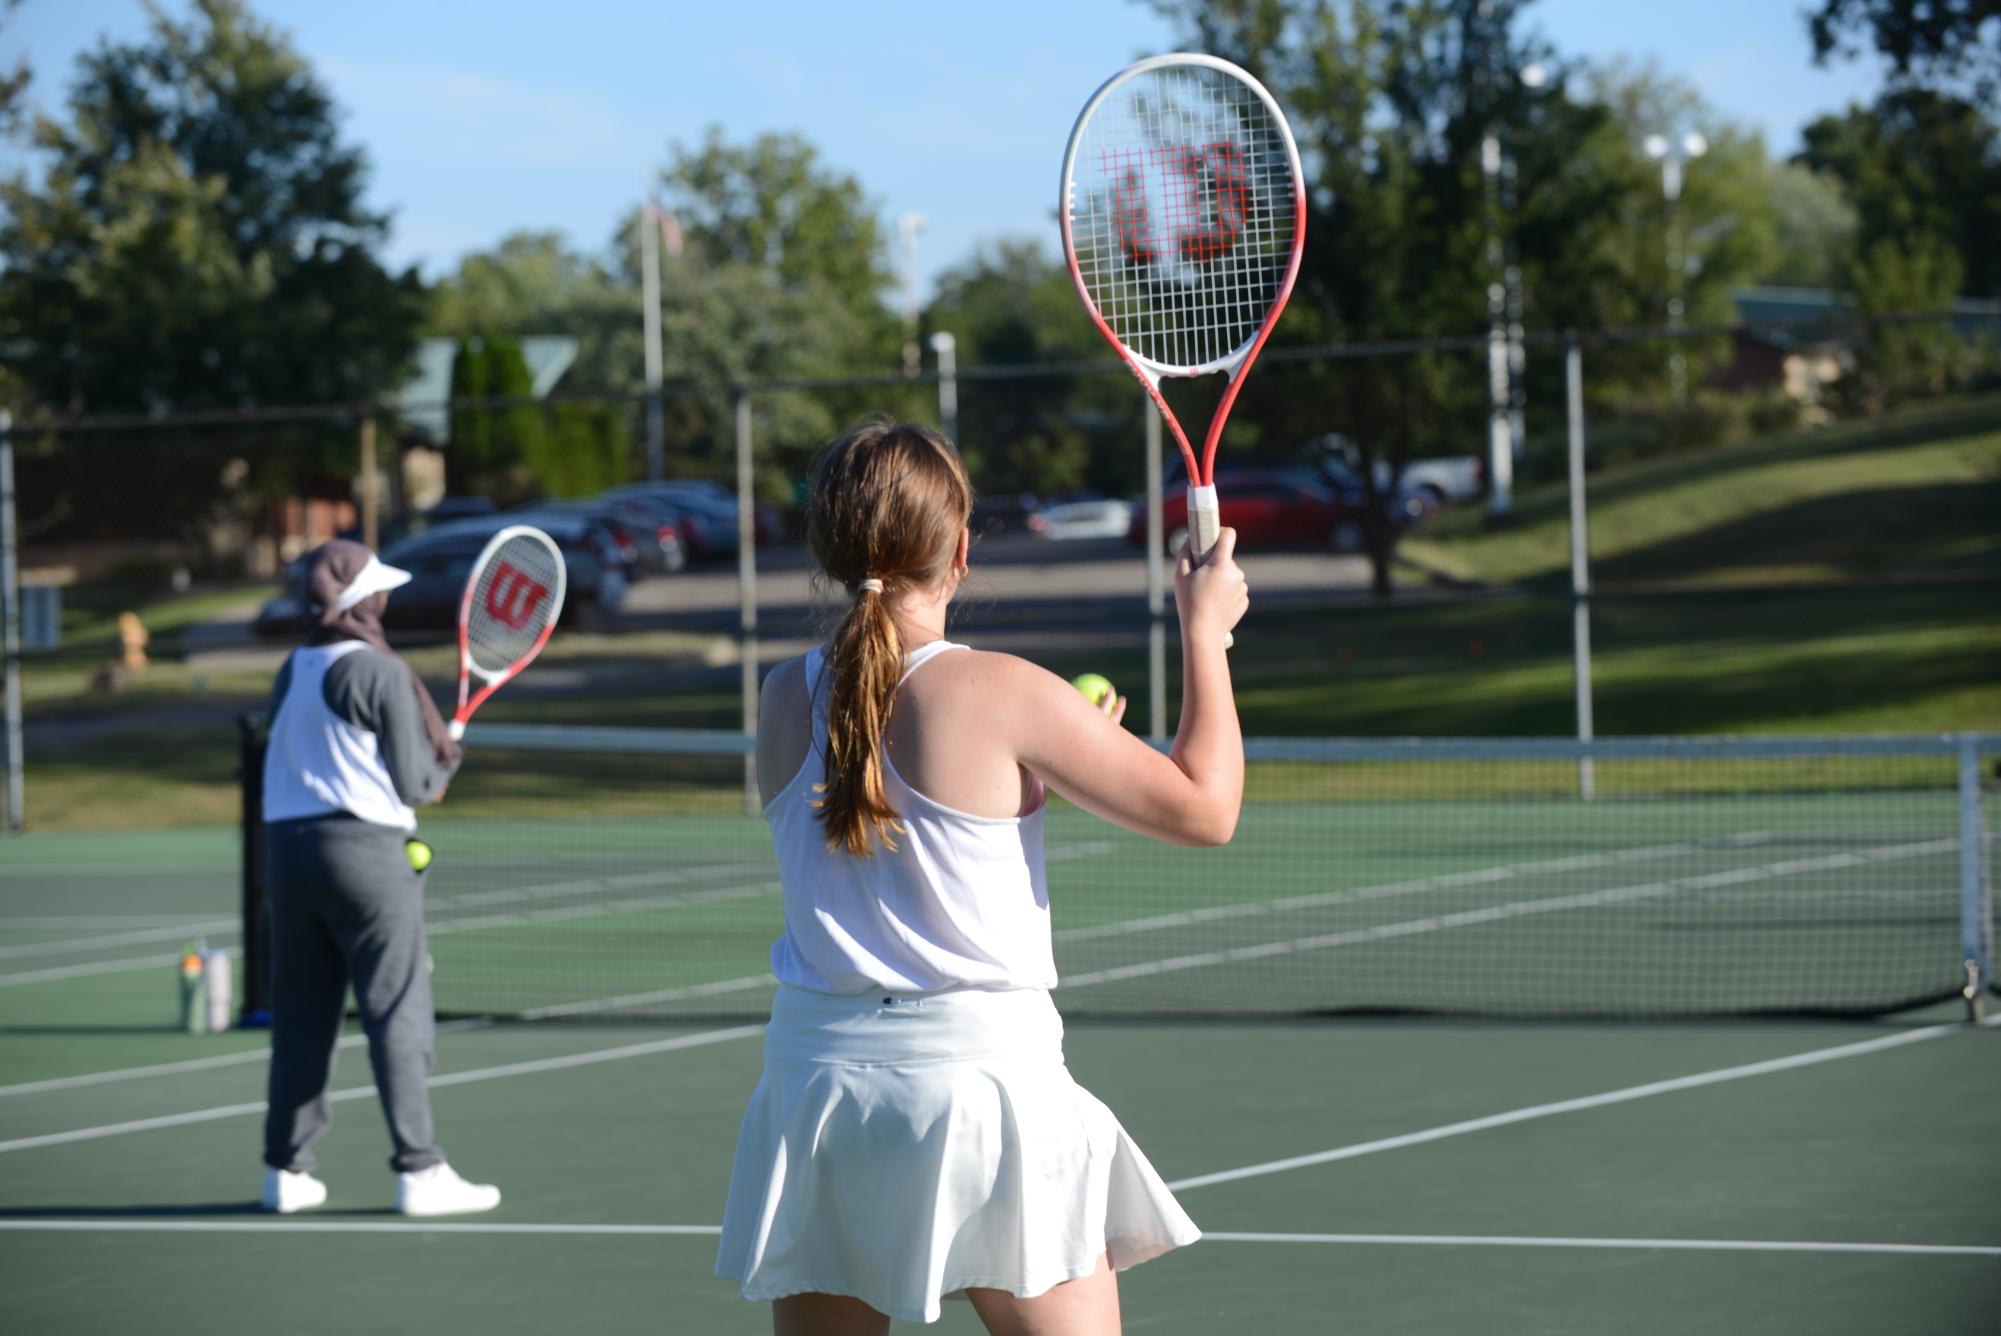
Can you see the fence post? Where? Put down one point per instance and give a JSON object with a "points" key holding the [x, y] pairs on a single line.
{"points": [[371, 503], [1156, 585], [10, 591], [253, 735], [746, 582], [1976, 917], [1580, 564]]}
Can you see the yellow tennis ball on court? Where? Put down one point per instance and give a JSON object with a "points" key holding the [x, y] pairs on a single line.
{"points": [[1096, 687], [419, 854]]}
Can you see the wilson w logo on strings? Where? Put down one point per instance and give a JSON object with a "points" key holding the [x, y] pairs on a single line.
{"points": [[513, 597]]}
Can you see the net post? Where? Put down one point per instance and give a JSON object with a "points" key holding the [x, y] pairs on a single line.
{"points": [[1580, 564], [253, 735], [746, 568], [10, 638], [1156, 583], [1976, 917]]}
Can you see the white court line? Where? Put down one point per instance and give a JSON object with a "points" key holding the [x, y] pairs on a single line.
{"points": [[1501, 912], [118, 966], [298, 1225], [568, 1060], [235, 1059], [1446, 881], [1812, 1057], [448, 926], [133, 938], [1651, 1245], [56, 922], [310, 1226]]}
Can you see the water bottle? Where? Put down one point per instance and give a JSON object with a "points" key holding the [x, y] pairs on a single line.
{"points": [[194, 1007], [215, 982]]}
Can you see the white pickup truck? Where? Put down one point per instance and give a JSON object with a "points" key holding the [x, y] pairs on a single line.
{"points": [[1452, 478], [1447, 478]]}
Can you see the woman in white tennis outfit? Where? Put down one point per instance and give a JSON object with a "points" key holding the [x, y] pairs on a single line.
{"points": [[916, 1135]]}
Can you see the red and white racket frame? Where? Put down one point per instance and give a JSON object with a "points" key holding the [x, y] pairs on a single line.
{"points": [[1204, 519], [492, 682]]}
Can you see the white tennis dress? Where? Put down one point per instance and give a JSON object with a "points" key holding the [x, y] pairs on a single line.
{"points": [[915, 1132]]}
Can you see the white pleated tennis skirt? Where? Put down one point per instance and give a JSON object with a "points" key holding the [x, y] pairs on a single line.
{"points": [[901, 1151]]}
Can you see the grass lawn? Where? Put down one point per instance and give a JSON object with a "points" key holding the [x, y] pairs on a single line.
{"points": [[1918, 491]]}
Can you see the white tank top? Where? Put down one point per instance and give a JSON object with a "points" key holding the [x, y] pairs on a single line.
{"points": [[319, 763], [961, 902]]}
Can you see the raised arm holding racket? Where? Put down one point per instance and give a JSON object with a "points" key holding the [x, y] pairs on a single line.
{"points": [[1184, 217]]}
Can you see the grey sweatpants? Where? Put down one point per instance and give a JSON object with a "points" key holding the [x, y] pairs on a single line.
{"points": [[346, 908]]}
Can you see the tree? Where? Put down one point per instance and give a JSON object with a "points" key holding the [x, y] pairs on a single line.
{"points": [[196, 239], [1918, 164], [1391, 101], [1816, 228], [1935, 40], [1012, 304]]}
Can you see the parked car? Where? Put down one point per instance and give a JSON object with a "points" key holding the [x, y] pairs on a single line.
{"points": [[1009, 512], [647, 542], [708, 513], [1083, 515], [1269, 508], [440, 562]]}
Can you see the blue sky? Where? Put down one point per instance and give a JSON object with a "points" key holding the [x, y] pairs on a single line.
{"points": [[486, 117]]}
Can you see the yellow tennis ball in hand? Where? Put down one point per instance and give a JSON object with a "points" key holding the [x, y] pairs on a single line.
{"points": [[419, 854], [1096, 687]]}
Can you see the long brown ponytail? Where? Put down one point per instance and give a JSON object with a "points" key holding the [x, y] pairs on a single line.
{"points": [[888, 502]]}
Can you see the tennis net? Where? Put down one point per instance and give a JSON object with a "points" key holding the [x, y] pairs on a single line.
{"points": [[615, 872]]}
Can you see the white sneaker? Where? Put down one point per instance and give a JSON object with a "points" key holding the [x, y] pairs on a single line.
{"points": [[286, 1192], [440, 1191]]}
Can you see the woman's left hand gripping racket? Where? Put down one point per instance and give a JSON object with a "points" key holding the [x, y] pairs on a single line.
{"points": [[1184, 216], [510, 606]]}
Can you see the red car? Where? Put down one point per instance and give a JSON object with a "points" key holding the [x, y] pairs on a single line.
{"points": [[1267, 508]]}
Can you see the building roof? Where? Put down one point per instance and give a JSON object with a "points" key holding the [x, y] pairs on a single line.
{"points": [[1778, 306], [422, 398]]}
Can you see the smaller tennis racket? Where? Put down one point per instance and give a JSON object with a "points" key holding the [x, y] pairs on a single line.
{"points": [[510, 606]]}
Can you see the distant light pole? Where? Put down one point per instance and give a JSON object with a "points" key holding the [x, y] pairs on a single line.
{"points": [[1507, 357], [1672, 154], [947, 349], [907, 227]]}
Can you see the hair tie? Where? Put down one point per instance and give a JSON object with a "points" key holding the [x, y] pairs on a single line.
{"points": [[868, 587]]}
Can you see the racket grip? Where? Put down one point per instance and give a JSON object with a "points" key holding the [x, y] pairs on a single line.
{"points": [[456, 729], [1205, 524]]}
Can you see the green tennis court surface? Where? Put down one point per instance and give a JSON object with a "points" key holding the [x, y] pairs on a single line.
{"points": [[1567, 1144]]}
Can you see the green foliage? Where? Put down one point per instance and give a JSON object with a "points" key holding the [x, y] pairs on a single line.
{"points": [[1816, 228], [195, 238], [1919, 163], [472, 429], [1012, 304], [1924, 40], [1899, 361]]}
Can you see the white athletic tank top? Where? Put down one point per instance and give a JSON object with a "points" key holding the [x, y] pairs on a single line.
{"points": [[961, 902], [318, 763]]}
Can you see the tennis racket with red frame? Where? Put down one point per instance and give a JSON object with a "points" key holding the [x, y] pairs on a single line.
{"points": [[1184, 216], [511, 604]]}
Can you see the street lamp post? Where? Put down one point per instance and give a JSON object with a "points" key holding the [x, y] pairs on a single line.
{"points": [[946, 348], [1673, 154]]}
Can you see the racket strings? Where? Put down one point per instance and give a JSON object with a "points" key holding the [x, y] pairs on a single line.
{"points": [[1183, 211], [515, 597]]}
